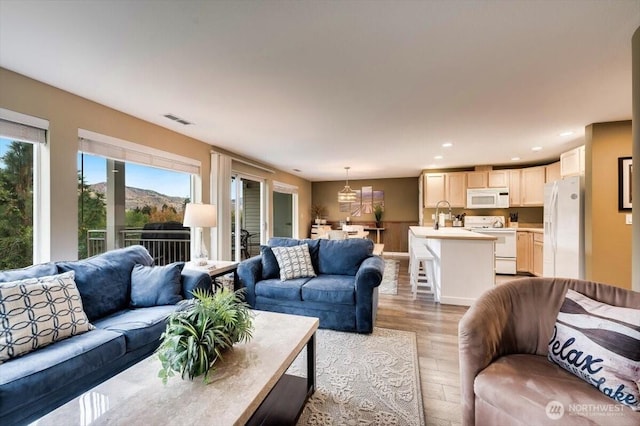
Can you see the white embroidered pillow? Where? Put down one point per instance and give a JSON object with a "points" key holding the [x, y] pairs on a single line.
{"points": [[36, 312], [599, 343], [294, 262]]}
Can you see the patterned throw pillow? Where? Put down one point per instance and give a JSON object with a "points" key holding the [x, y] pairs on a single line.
{"points": [[36, 312], [294, 262], [600, 344]]}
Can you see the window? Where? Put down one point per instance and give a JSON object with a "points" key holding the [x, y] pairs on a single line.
{"points": [[133, 195], [19, 142]]}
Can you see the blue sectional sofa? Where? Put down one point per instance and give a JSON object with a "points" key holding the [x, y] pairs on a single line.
{"points": [[37, 382], [343, 295]]}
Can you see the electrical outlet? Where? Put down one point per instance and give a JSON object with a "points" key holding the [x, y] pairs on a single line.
{"points": [[628, 219]]}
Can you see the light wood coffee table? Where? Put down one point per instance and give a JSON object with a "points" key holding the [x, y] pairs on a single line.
{"points": [[249, 385]]}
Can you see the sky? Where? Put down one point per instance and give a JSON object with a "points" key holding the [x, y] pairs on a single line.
{"points": [[165, 182]]}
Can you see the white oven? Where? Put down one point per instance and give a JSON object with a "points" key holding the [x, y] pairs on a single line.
{"points": [[488, 198], [505, 240]]}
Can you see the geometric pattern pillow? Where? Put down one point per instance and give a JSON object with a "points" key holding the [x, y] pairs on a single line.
{"points": [[294, 262], [599, 343], [35, 312]]}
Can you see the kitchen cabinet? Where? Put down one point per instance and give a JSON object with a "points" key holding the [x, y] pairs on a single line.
{"points": [[477, 179], [572, 162], [434, 188], [537, 254], [514, 188], [524, 247], [456, 189], [553, 172], [498, 179], [532, 186]]}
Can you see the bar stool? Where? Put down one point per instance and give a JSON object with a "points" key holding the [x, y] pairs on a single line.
{"points": [[422, 272]]}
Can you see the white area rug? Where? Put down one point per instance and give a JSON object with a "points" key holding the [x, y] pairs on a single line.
{"points": [[389, 284], [364, 379]]}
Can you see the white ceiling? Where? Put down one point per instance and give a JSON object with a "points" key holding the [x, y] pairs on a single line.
{"points": [[319, 85]]}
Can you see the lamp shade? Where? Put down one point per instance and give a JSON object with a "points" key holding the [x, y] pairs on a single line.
{"points": [[200, 215]]}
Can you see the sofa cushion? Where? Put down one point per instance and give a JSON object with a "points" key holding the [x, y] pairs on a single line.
{"points": [[600, 344], [523, 385], [343, 257], [104, 281], [294, 262], [270, 267], [36, 312], [139, 326], [35, 271], [48, 370], [285, 290], [156, 285], [333, 289], [314, 247]]}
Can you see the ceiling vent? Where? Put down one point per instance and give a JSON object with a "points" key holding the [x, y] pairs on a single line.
{"points": [[178, 119]]}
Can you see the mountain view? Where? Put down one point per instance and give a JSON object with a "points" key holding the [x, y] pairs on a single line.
{"points": [[137, 197]]}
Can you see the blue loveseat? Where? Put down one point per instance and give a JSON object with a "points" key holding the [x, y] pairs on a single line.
{"points": [[343, 295], [37, 382]]}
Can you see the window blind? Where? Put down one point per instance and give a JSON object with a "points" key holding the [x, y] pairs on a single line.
{"points": [[22, 132]]}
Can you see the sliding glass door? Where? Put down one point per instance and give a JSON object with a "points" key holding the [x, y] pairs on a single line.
{"points": [[247, 216]]}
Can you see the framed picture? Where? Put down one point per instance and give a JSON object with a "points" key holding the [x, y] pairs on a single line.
{"points": [[625, 179]]}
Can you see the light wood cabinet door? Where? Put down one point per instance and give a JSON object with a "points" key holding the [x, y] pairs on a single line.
{"points": [[434, 188], [532, 186], [498, 179], [456, 189], [537, 255], [514, 188], [476, 179], [553, 172], [524, 243], [572, 162]]}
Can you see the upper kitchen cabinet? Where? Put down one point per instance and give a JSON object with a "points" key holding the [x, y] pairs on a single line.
{"points": [[477, 179], [434, 188], [553, 172], [498, 179], [532, 181], [456, 189], [572, 162], [514, 188]]}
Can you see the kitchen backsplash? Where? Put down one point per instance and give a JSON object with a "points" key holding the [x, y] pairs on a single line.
{"points": [[529, 216]]}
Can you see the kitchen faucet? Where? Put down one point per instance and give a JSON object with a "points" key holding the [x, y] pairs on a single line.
{"points": [[435, 223]]}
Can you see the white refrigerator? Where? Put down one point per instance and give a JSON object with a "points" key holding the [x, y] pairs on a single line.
{"points": [[564, 228]]}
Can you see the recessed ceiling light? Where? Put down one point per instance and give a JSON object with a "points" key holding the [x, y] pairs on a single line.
{"points": [[515, 158], [536, 148], [438, 157], [447, 145], [567, 133]]}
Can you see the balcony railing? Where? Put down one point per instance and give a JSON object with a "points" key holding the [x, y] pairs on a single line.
{"points": [[165, 246]]}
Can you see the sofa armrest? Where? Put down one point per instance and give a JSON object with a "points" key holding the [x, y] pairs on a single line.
{"points": [[367, 279], [192, 279], [249, 273]]}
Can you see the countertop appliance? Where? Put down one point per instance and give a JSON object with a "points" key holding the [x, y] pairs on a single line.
{"points": [[488, 198], [505, 242], [563, 253]]}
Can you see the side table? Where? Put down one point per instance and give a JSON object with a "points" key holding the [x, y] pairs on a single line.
{"points": [[217, 268]]}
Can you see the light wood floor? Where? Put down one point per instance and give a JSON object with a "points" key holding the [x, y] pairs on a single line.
{"points": [[436, 327]]}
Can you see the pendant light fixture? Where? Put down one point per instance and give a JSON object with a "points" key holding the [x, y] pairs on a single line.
{"points": [[347, 195]]}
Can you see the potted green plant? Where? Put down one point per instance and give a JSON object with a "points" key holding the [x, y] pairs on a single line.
{"points": [[197, 335], [377, 213]]}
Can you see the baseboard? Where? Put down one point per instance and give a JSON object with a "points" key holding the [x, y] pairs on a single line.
{"points": [[395, 254]]}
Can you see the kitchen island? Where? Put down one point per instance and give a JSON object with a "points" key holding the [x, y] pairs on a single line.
{"points": [[464, 261]]}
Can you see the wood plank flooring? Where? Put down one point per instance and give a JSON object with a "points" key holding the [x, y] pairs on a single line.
{"points": [[436, 327]]}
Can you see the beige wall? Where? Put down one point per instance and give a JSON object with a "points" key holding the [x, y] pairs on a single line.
{"points": [[636, 153], [66, 114], [607, 238]]}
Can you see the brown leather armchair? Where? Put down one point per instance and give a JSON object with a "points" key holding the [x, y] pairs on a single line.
{"points": [[505, 377]]}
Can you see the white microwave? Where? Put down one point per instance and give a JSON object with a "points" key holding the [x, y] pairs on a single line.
{"points": [[488, 198]]}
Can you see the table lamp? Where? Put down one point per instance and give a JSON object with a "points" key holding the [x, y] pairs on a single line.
{"points": [[200, 216]]}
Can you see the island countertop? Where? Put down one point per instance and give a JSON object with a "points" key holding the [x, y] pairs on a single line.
{"points": [[448, 233]]}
